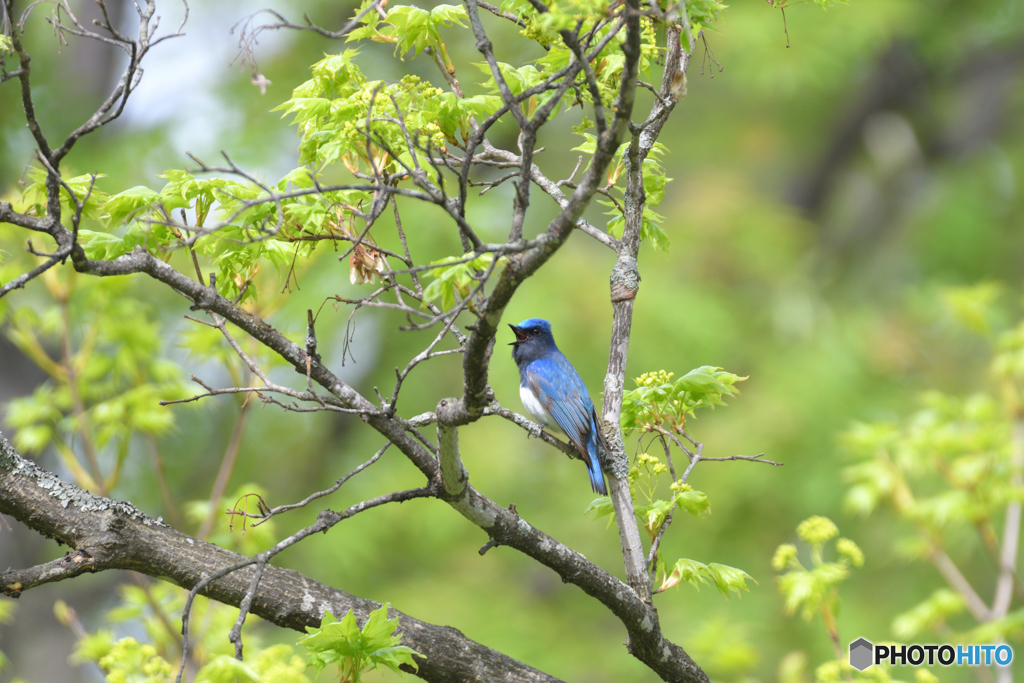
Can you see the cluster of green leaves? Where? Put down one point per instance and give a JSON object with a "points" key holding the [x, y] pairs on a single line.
{"points": [[701, 13], [156, 661], [949, 469], [412, 29], [126, 660], [608, 64], [726, 579], [141, 217], [932, 614], [644, 477], [647, 477], [33, 199], [251, 230], [792, 669], [106, 380], [815, 591], [840, 671], [453, 278], [356, 650], [652, 511], [654, 181], [660, 404], [567, 14], [945, 467], [333, 108], [129, 661], [368, 126]]}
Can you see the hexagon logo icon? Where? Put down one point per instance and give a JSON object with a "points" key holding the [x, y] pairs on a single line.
{"points": [[861, 654]]}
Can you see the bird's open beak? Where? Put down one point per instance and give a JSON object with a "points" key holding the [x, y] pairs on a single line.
{"points": [[520, 335]]}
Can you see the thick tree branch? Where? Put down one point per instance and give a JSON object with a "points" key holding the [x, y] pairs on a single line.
{"points": [[107, 534]]}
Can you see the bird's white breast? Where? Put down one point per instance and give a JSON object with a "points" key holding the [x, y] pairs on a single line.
{"points": [[535, 408]]}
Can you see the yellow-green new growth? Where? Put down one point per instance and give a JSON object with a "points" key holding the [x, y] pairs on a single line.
{"points": [[815, 591], [817, 530]]}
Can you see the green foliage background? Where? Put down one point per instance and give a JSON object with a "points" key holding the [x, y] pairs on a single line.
{"points": [[835, 317]]}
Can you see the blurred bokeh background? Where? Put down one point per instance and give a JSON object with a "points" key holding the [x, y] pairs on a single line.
{"points": [[824, 195]]}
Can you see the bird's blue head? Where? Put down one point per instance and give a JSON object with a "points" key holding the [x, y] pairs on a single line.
{"points": [[533, 340]]}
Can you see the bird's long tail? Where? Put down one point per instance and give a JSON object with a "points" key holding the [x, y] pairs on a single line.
{"points": [[594, 468]]}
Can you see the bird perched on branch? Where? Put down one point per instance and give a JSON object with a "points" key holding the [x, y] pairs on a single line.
{"points": [[554, 395]]}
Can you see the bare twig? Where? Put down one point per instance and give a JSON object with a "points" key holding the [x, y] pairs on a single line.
{"points": [[263, 517]]}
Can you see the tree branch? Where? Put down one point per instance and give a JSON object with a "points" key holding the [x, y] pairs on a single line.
{"points": [[107, 534], [1011, 527], [624, 283], [979, 610]]}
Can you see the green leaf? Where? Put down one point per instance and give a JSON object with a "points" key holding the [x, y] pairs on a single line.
{"points": [[652, 233], [101, 245], [452, 283], [601, 507], [809, 590], [124, 660], [654, 514], [726, 579], [694, 502], [354, 649], [300, 177], [122, 205], [660, 401], [414, 29], [691, 571], [227, 669], [729, 579]]}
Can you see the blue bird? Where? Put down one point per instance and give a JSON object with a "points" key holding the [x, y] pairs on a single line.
{"points": [[554, 395]]}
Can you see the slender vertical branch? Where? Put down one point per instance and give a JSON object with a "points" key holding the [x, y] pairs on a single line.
{"points": [[624, 284], [1011, 527], [227, 466]]}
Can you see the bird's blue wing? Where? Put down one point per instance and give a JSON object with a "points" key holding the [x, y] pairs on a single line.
{"points": [[558, 386], [555, 382]]}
